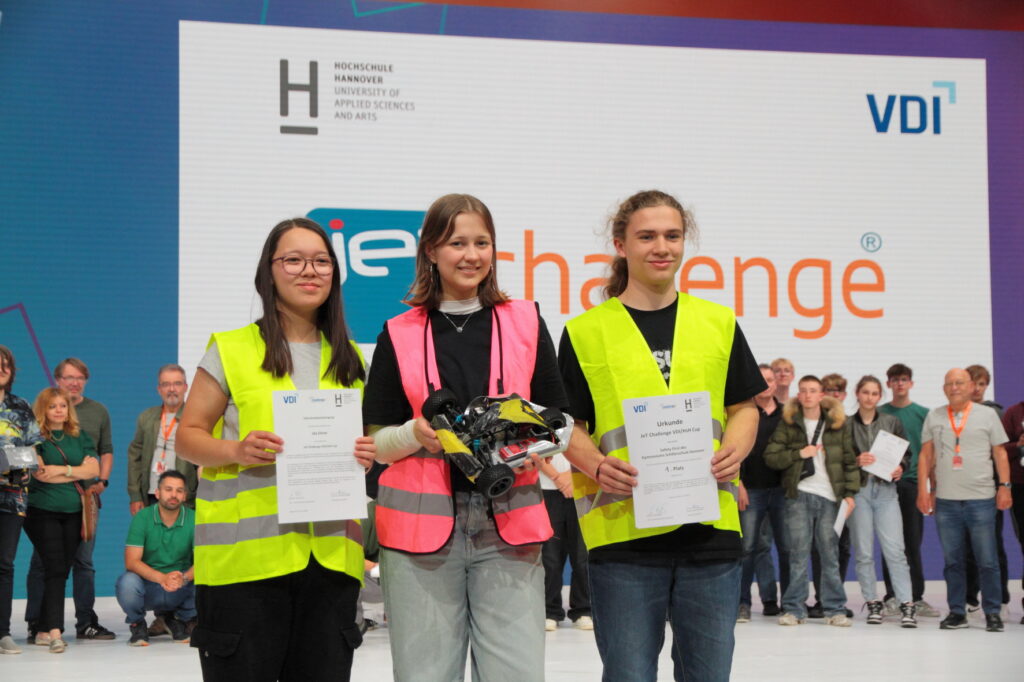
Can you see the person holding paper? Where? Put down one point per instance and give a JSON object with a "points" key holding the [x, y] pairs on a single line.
{"points": [[275, 601], [458, 570], [813, 448], [649, 340], [877, 511]]}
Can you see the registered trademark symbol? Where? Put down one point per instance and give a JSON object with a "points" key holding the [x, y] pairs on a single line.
{"points": [[871, 241]]}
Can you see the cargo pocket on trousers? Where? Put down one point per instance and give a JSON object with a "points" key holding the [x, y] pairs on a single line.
{"points": [[212, 643], [352, 636]]}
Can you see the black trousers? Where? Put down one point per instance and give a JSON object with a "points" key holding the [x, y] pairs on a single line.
{"points": [[1017, 517], [56, 536], [913, 532], [566, 542], [299, 626]]}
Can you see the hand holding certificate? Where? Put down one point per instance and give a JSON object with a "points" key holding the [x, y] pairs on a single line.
{"points": [[888, 451], [671, 445], [318, 477]]}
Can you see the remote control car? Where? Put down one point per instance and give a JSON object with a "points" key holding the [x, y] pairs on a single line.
{"points": [[494, 435]]}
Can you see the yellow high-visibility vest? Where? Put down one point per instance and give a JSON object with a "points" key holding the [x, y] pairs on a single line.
{"points": [[617, 364], [238, 537]]}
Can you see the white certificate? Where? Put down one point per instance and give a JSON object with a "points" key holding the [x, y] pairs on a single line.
{"points": [[671, 445], [841, 515], [318, 477], [888, 451]]}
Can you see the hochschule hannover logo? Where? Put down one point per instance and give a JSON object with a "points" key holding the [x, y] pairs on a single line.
{"points": [[377, 260]]}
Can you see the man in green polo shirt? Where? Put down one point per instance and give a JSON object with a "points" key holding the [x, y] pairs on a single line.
{"points": [[158, 559]]}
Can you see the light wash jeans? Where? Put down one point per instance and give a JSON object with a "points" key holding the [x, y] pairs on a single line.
{"points": [[814, 516], [629, 602], [877, 512], [476, 591]]}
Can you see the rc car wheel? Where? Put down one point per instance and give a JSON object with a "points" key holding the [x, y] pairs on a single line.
{"points": [[440, 401], [495, 480], [553, 417]]}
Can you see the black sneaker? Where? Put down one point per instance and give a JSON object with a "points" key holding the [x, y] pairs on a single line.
{"points": [[816, 611], [954, 621], [771, 608], [875, 612], [95, 631], [31, 639], [179, 631], [993, 623], [908, 613], [140, 634]]}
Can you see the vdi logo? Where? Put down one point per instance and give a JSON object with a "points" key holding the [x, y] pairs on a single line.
{"points": [[913, 110], [377, 260]]}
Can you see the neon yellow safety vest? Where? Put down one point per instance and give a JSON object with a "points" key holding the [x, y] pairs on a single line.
{"points": [[238, 537], [617, 364]]}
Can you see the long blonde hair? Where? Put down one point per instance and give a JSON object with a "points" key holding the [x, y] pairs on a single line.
{"points": [[42, 403]]}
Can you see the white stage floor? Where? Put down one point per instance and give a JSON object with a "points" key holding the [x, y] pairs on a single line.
{"points": [[765, 651]]}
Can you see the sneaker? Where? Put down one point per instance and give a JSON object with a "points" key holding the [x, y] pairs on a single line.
{"points": [[57, 646], [179, 634], [95, 631], [771, 608], [7, 645], [584, 623], [974, 611], [839, 620], [892, 607], [550, 625], [875, 612], [41, 639], [140, 634], [790, 619], [816, 611], [993, 623], [159, 626], [743, 615], [907, 619], [926, 610], [954, 621], [31, 639]]}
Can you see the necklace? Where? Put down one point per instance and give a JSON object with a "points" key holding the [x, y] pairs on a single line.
{"points": [[55, 439], [458, 328]]}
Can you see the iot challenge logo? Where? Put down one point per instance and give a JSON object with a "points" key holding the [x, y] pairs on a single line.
{"points": [[916, 113], [376, 261]]}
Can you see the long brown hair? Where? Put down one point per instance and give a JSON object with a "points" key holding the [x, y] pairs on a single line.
{"points": [[39, 407], [651, 198], [7, 359], [344, 367], [438, 225]]}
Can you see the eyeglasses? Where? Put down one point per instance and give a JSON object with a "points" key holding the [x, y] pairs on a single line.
{"points": [[72, 380], [171, 384], [954, 384], [294, 265]]}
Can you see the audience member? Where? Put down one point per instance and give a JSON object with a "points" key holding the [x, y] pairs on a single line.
{"points": [[784, 373], [1013, 423], [567, 542]]}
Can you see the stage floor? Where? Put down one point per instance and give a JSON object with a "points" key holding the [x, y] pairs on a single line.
{"points": [[765, 651]]}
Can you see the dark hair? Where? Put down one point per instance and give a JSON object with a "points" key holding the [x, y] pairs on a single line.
{"points": [[171, 367], [438, 225], [170, 473], [868, 379], [811, 377], [899, 370], [764, 365], [74, 362], [344, 367], [7, 358], [651, 198], [833, 382], [979, 372]]}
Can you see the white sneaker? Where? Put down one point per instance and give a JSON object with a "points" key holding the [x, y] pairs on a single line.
{"points": [[789, 619], [550, 625], [892, 608], [584, 623], [7, 645], [925, 609], [839, 620]]}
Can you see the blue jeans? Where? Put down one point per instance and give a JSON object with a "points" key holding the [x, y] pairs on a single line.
{"points": [[810, 516], [877, 512], [83, 587], [136, 595], [629, 602], [766, 504], [956, 520]]}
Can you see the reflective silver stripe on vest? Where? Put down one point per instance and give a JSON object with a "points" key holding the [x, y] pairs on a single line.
{"points": [[433, 504], [253, 478], [588, 503], [731, 488], [254, 528], [339, 529], [616, 438], [518, 497]]}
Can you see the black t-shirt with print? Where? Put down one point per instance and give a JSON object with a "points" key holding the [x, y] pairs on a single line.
{"points": [[691, 542]]}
